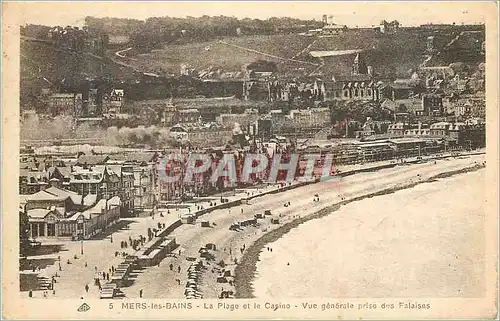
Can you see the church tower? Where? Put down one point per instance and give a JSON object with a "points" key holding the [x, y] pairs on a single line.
{"points": [[359, 66]]}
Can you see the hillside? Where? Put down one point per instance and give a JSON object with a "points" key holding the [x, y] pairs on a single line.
{"points": [[229, 53], [391, 55], [42, 65], [394, 54]]}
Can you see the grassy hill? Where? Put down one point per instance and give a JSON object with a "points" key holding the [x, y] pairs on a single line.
{"points": [[389, 55], [41, 60], [394, 54], [230, 55]]}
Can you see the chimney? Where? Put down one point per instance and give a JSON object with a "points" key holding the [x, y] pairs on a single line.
{"points": [[54, 182]]}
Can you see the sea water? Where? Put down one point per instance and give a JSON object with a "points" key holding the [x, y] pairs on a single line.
{"points": [[425, 241]]}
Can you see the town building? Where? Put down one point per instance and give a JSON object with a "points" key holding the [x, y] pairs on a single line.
{"points": [[63, 104], [333, 29], [404, 107], [389, 27], [360, 85], [113, 102], [32, 181], [310, 117], [396, 129], [417, 130], [53, 222], [432, 105], [351, 87], [440, 128], [168, 115], [191, 115], [143, 168], [244, 120], [201, 133]]}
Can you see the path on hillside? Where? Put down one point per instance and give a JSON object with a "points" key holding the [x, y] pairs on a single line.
{"points": [[322, 63], [446, 47], [266, 54], [298, 54], [68, 51], [120, 53]]}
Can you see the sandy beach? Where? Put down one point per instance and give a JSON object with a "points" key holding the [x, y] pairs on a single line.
{"points": [[415, 242], [241, 247]]}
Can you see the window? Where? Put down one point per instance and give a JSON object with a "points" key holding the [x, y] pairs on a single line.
{"points": [[356, 92], [369, 92], [346, 93]]}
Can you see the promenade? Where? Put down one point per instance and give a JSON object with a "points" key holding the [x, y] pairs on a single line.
{"points": [[160, 281], [99, 252]]}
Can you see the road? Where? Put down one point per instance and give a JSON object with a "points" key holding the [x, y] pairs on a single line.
{"points": [[161, 282], [266, 54]]}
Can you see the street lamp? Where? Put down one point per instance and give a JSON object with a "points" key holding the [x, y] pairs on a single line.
{"points": [[80, 224]]}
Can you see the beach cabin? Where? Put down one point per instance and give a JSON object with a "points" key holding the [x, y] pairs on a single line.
{"points": [[249, 222], [109, 291], [235, 227], [211, 246], [168, 245], [275, 220], [187, 219], [259, 216], [205, 224], [267, 212]]}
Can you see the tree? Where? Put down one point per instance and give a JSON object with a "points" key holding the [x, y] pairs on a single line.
{"points": [[263, 65], [24, 229]]}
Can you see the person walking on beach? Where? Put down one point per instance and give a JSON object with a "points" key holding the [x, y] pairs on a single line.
{"points": [[140, 293], [179, 269], [87, 288], [171, 266]]}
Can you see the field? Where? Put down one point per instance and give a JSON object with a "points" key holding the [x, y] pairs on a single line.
{"points": [[39, 60], [228, 53], [391, 54]]}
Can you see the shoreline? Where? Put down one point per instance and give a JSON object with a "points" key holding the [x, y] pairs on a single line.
{"points": [[247, 267]]}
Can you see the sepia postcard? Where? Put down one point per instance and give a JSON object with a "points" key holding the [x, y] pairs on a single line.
{"points": [[250, 160]]}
